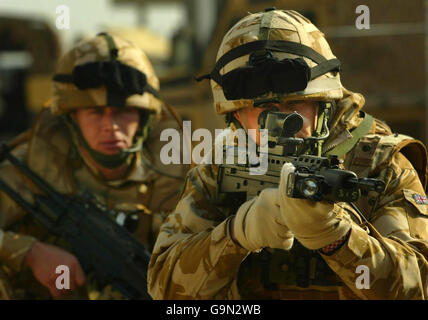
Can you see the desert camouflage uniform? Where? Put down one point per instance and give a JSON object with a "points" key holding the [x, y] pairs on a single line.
{"points": [[196, 258], [48, 153], [47, 149]]}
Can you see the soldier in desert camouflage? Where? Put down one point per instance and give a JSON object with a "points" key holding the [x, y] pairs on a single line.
{"points": [[275, 247], [100, 136]]}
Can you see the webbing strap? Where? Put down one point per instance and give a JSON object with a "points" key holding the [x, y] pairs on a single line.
{"points": [[357, 134], [111, 45], [265, 25]]}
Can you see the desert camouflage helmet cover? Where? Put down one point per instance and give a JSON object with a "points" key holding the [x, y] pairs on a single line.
{"points": [[284, 25], [104, 48]]}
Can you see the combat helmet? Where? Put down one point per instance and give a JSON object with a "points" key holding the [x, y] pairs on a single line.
{"points": [[274, 55], [106, 70]]}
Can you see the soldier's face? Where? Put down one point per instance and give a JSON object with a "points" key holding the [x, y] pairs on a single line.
{"points": [[108, 129], [248, 117]]}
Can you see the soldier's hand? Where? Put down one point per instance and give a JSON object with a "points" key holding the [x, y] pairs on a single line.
{"points": [[258, 223], [43, 259], [314, 224]]}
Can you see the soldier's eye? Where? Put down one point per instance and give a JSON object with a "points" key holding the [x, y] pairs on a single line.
{"points": [[95, 111]]}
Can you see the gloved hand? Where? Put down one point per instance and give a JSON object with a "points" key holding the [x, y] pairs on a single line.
{"points": [[258, 223], [314, 224]]}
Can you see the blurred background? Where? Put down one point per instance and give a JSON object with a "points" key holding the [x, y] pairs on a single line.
{"points": [[386, 63]]}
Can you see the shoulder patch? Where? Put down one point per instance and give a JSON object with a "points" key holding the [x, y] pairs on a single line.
{"points": [[416, 200], [420, 199]]}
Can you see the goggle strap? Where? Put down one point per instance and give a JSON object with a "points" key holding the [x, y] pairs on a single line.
{"points": [[274, 45], [324, 67], [153, 91]]}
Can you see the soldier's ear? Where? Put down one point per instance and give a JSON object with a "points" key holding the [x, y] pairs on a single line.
{"points": [[237, 115], [241, 118]]}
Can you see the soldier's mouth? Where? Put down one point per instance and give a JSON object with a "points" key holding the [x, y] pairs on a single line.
{"points": [[112, 145]]}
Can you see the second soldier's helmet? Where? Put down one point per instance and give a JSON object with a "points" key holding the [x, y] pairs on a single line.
{"points": [[273, 55], [105, 70]]}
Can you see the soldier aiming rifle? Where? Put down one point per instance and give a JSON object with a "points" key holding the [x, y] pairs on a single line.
{"points": [[219, 244]]}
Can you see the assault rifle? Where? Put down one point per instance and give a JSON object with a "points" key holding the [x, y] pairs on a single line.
{"points": [[99, 243], [316, 177]]}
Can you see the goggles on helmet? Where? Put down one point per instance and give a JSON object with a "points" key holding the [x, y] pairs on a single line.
{"points": [[120, 80], [265, 73]]}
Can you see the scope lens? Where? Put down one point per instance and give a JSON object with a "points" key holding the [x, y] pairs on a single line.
{"points": [[310, 188], [292, 124]]}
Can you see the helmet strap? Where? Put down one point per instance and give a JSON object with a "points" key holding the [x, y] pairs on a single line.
{"points": [[320, 128]]}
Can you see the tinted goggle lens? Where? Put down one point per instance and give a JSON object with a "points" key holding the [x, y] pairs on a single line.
{"points": [[112, 74], [271, 75]]}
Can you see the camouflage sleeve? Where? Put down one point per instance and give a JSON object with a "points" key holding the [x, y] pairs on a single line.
{"points": [[194, 256], [13, 246], [394, 248]]}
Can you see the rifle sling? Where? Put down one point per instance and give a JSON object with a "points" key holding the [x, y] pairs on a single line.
{"points": [[357, 134]]}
